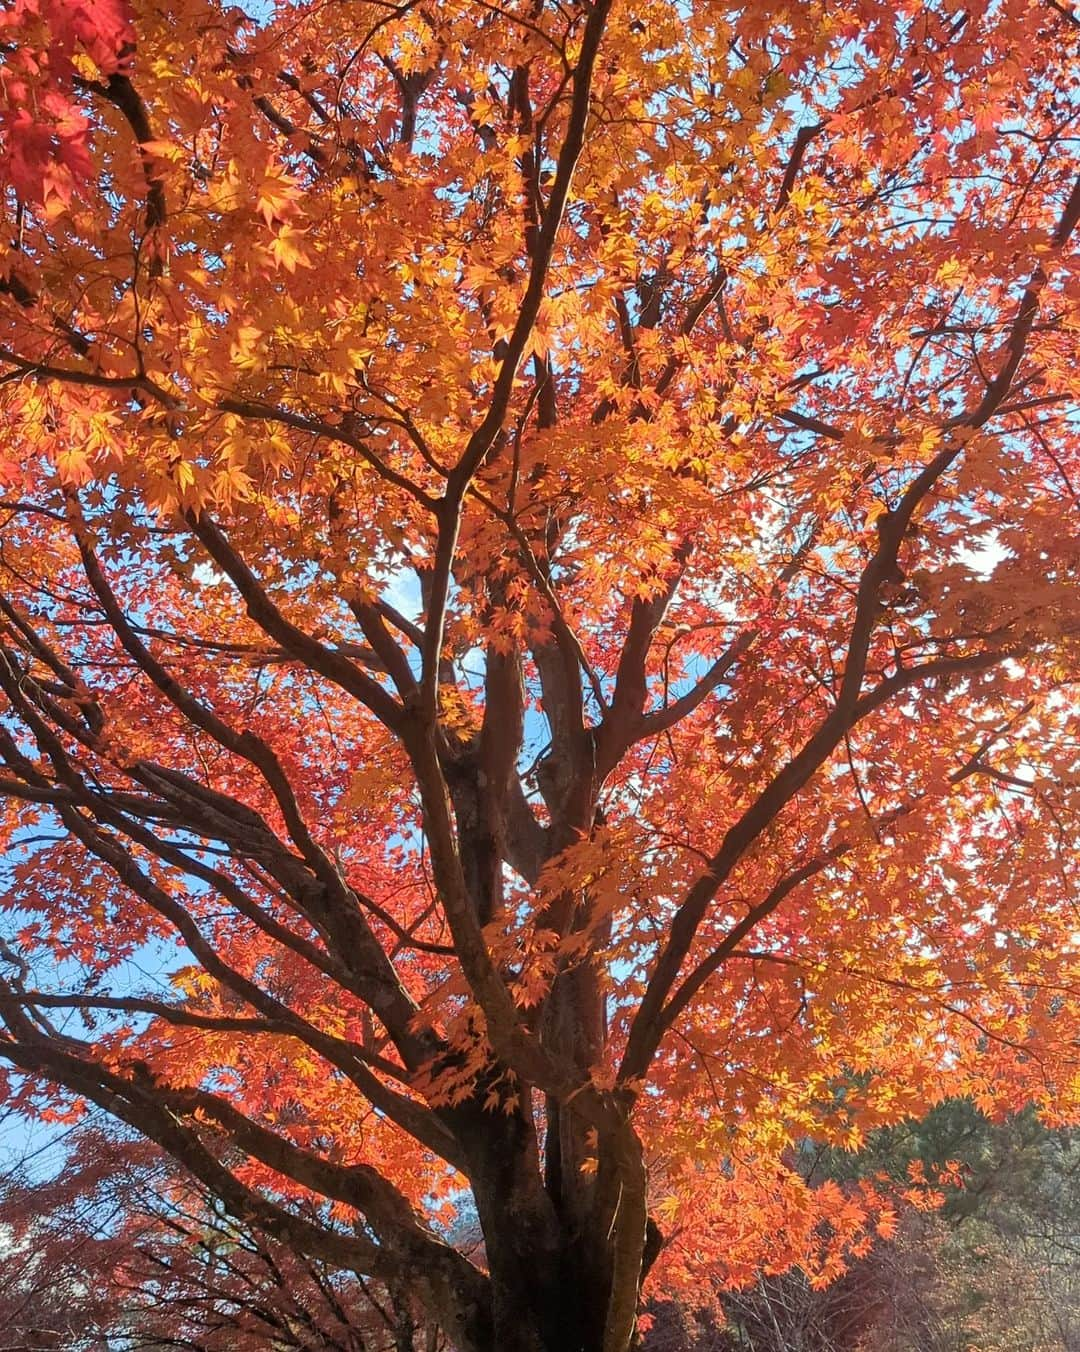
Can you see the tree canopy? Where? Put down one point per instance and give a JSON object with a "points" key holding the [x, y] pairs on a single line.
{"points": [[538, 623]]}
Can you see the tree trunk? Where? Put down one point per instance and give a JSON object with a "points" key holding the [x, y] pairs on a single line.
{"points": [[561, 1202], [566, 1254]]}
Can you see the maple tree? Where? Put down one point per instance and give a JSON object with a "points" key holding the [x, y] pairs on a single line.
{"points": [[118, 1249], [539, 615]]}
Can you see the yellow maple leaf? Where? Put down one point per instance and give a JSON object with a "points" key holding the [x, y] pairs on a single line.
{"points": [[288, 250]]}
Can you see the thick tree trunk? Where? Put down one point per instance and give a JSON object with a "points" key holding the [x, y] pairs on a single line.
{"points": [[565, 1255], [533, 1314], [560, 1199]]}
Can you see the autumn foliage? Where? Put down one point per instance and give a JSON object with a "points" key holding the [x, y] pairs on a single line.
{"points": [[538, 616], [119, 1250]]}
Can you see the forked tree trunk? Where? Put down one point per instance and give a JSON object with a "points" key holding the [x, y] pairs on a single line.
{"points": [[561, 1206], [558, 1296], [566, 1247]]}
